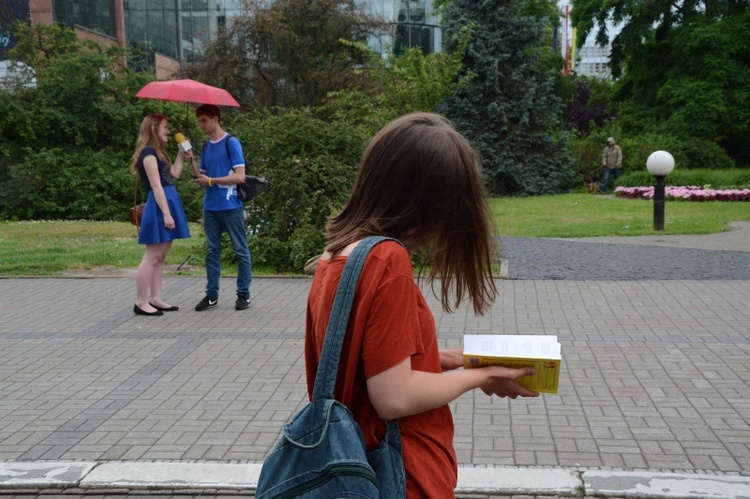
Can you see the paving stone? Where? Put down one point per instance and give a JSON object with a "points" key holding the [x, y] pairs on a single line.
{"points": [[654, 374]]}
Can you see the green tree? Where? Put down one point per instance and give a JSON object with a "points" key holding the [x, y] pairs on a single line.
{"points": [[39, 46], [588, 107], [683, 67], [509, 110], [67, 139], [401, 84], [310, 164], [289, 54], [310, 155]]}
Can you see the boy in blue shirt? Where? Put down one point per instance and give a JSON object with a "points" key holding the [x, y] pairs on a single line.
{"points": [[222, 167]]}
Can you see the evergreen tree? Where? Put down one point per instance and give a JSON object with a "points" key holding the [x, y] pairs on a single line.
{"points": [[508, 109]]}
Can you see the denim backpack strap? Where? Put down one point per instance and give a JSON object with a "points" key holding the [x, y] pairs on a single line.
{"points": [[325, 377], [226, 145]]}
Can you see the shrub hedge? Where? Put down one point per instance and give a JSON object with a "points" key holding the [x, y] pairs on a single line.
{"points": [[310, 165], [735, 178], [689, 152]]}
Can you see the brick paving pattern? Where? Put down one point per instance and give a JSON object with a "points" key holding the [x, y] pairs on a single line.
{"points": [[655, 366]]}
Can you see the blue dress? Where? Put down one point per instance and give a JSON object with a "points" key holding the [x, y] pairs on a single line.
{"points": [[152, 222]]}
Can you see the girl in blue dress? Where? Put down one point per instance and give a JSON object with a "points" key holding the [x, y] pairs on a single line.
{"points": [[163, 216]]}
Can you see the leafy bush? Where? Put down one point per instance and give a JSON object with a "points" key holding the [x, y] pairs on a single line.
{"points": [[586, 152], [310, 165], [55, 184], [190, 193], [588, 107], [268, 252], [67, 141], [734, 178], [51, 184], [689, 153], [701, 153]]}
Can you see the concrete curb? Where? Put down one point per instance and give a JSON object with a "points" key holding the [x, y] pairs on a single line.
{"points": [[662, 485], [211, 476]]}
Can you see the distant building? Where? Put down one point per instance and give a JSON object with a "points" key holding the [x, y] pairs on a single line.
{"points": [[414, 25], [593, 60], [177, 31], [10, 12], [590, 59]]}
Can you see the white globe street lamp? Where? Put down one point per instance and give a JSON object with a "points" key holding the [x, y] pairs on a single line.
{"points": [[659, 164]]}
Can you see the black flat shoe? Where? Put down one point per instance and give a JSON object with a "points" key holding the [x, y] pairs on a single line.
{"points": [[171, 308], [139, 311]]}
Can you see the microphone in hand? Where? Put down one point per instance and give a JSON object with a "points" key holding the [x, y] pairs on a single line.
{"points": [[182, 142]]}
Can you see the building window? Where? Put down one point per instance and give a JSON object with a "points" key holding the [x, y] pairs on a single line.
{"points": [[96, 15]]}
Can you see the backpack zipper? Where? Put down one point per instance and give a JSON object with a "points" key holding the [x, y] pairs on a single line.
{"points": [[340, 470]]}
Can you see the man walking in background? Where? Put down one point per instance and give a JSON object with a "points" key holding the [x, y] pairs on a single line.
{"points": [[222, 167], [612, 162]]}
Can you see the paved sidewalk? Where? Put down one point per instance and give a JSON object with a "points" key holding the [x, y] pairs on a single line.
{"points": [[654, 395], [735, 239], [723, 256]]}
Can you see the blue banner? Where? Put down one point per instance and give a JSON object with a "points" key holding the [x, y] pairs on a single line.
{"points": [[554, 40], [10, 12]]}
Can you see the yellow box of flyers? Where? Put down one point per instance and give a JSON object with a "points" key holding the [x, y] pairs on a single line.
{"points": [[543, 353]]}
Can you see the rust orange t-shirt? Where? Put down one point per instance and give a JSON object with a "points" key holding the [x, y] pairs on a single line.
{"points": [[390, 321]]}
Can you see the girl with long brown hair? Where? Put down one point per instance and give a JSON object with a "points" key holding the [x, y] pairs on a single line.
{"points": [[420, 182], [163, 217]]}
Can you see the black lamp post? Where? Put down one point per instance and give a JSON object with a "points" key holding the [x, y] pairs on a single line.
{"points": [[659, 164]]}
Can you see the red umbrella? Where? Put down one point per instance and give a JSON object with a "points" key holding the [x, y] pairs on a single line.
{"points": [[187, 91]]}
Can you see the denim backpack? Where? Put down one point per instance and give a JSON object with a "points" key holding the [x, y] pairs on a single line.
{"points": [[322, 452]]}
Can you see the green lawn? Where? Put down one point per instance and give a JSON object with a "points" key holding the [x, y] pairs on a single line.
{"points": [[587, 215], [53, 248]]}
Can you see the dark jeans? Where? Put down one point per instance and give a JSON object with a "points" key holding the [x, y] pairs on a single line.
{"points": [[233, 223], [609, 173]]}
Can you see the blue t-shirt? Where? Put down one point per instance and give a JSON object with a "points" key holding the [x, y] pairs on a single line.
{"points": [[216, 163], [166, 178]]}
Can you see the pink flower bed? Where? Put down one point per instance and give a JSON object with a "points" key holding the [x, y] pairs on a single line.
{"points": [[688, 193]]}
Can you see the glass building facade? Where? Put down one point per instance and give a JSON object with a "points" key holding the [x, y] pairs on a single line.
{"points": [[414, 25], [180, 29], [95, 15]]}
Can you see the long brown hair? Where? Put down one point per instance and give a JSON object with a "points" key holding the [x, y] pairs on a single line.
{"points": [[147, 136], [421, 182]]}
